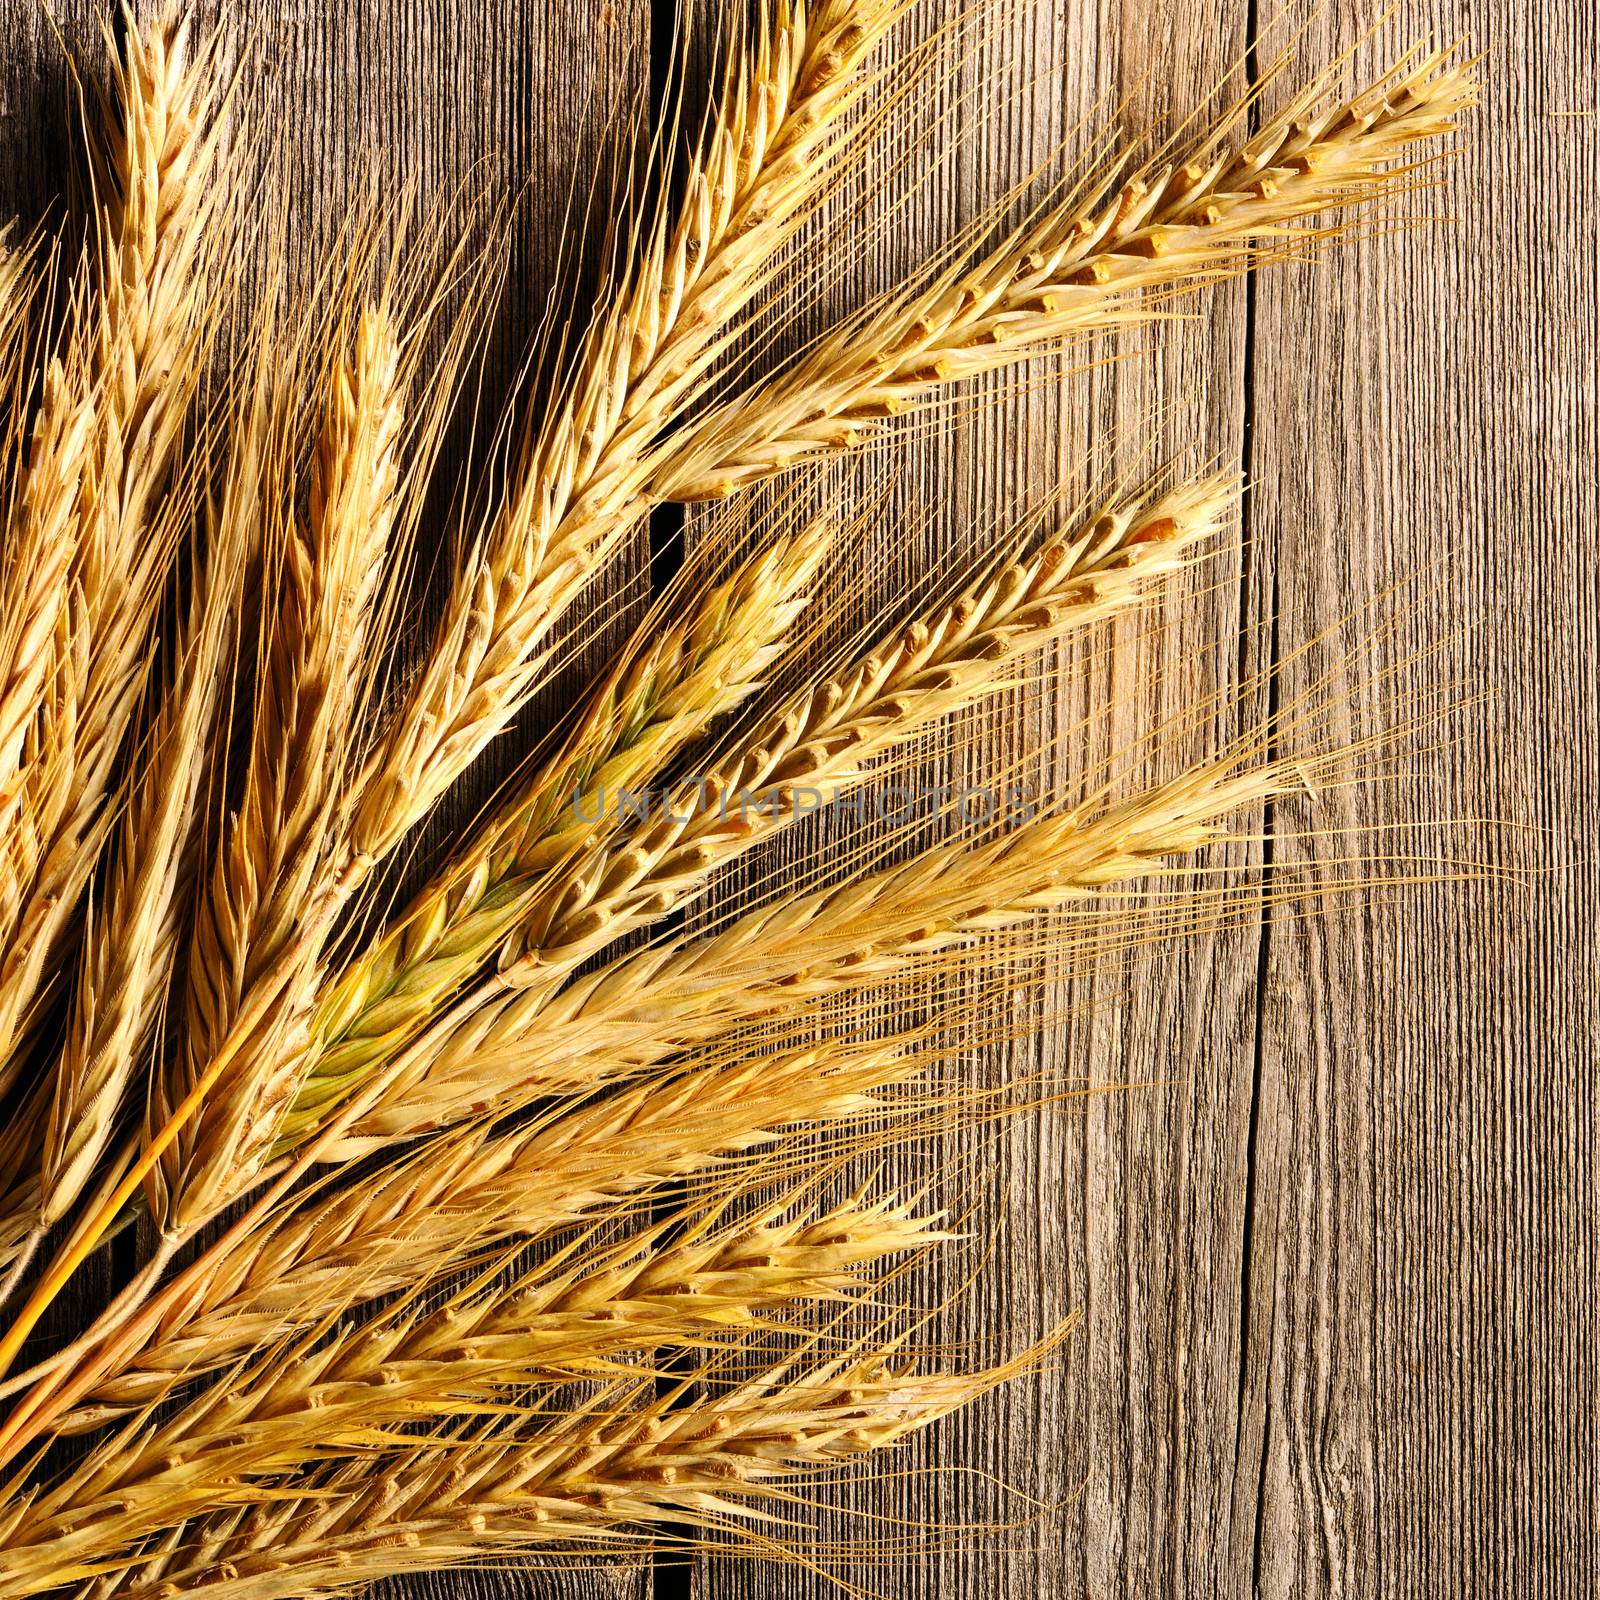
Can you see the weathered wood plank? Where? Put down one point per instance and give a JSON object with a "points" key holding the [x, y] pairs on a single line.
{"points": [[1330, 1268], [1421, 1321]]}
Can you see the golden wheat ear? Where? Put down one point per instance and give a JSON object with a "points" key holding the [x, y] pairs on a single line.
{"points": [[737, 1441], [697, 654], [109, 421], [358, 373], [777, 137], [329, 571], [826, 738], [32, 574], [131, 934], [1106, 260], [35, 578], [708, 1274]]}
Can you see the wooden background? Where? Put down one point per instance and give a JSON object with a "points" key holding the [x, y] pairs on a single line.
{"points": [[1335, 1250]]}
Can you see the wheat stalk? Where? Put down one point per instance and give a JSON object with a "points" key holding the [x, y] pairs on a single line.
{"points": [[476, 1188], [1111, 260], [654, 1003], [482, 663]]}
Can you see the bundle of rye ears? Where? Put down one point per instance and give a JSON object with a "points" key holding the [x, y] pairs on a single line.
{"points": [[473, 1225]]}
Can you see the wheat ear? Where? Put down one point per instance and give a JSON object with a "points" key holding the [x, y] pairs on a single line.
{"points": [[826, 735], [824, 738], [604, 1472], [682, 671], [135, 360], [476, 1187], [778, 133], [276, 851], [1112, 260], [34, 575], [466, 1193], [778, 961], [35, 560], [695, 1279], [488, 1341], [124, 977]]}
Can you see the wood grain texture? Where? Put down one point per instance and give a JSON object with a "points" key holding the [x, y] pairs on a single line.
{"points": [[1334, 1249]]}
